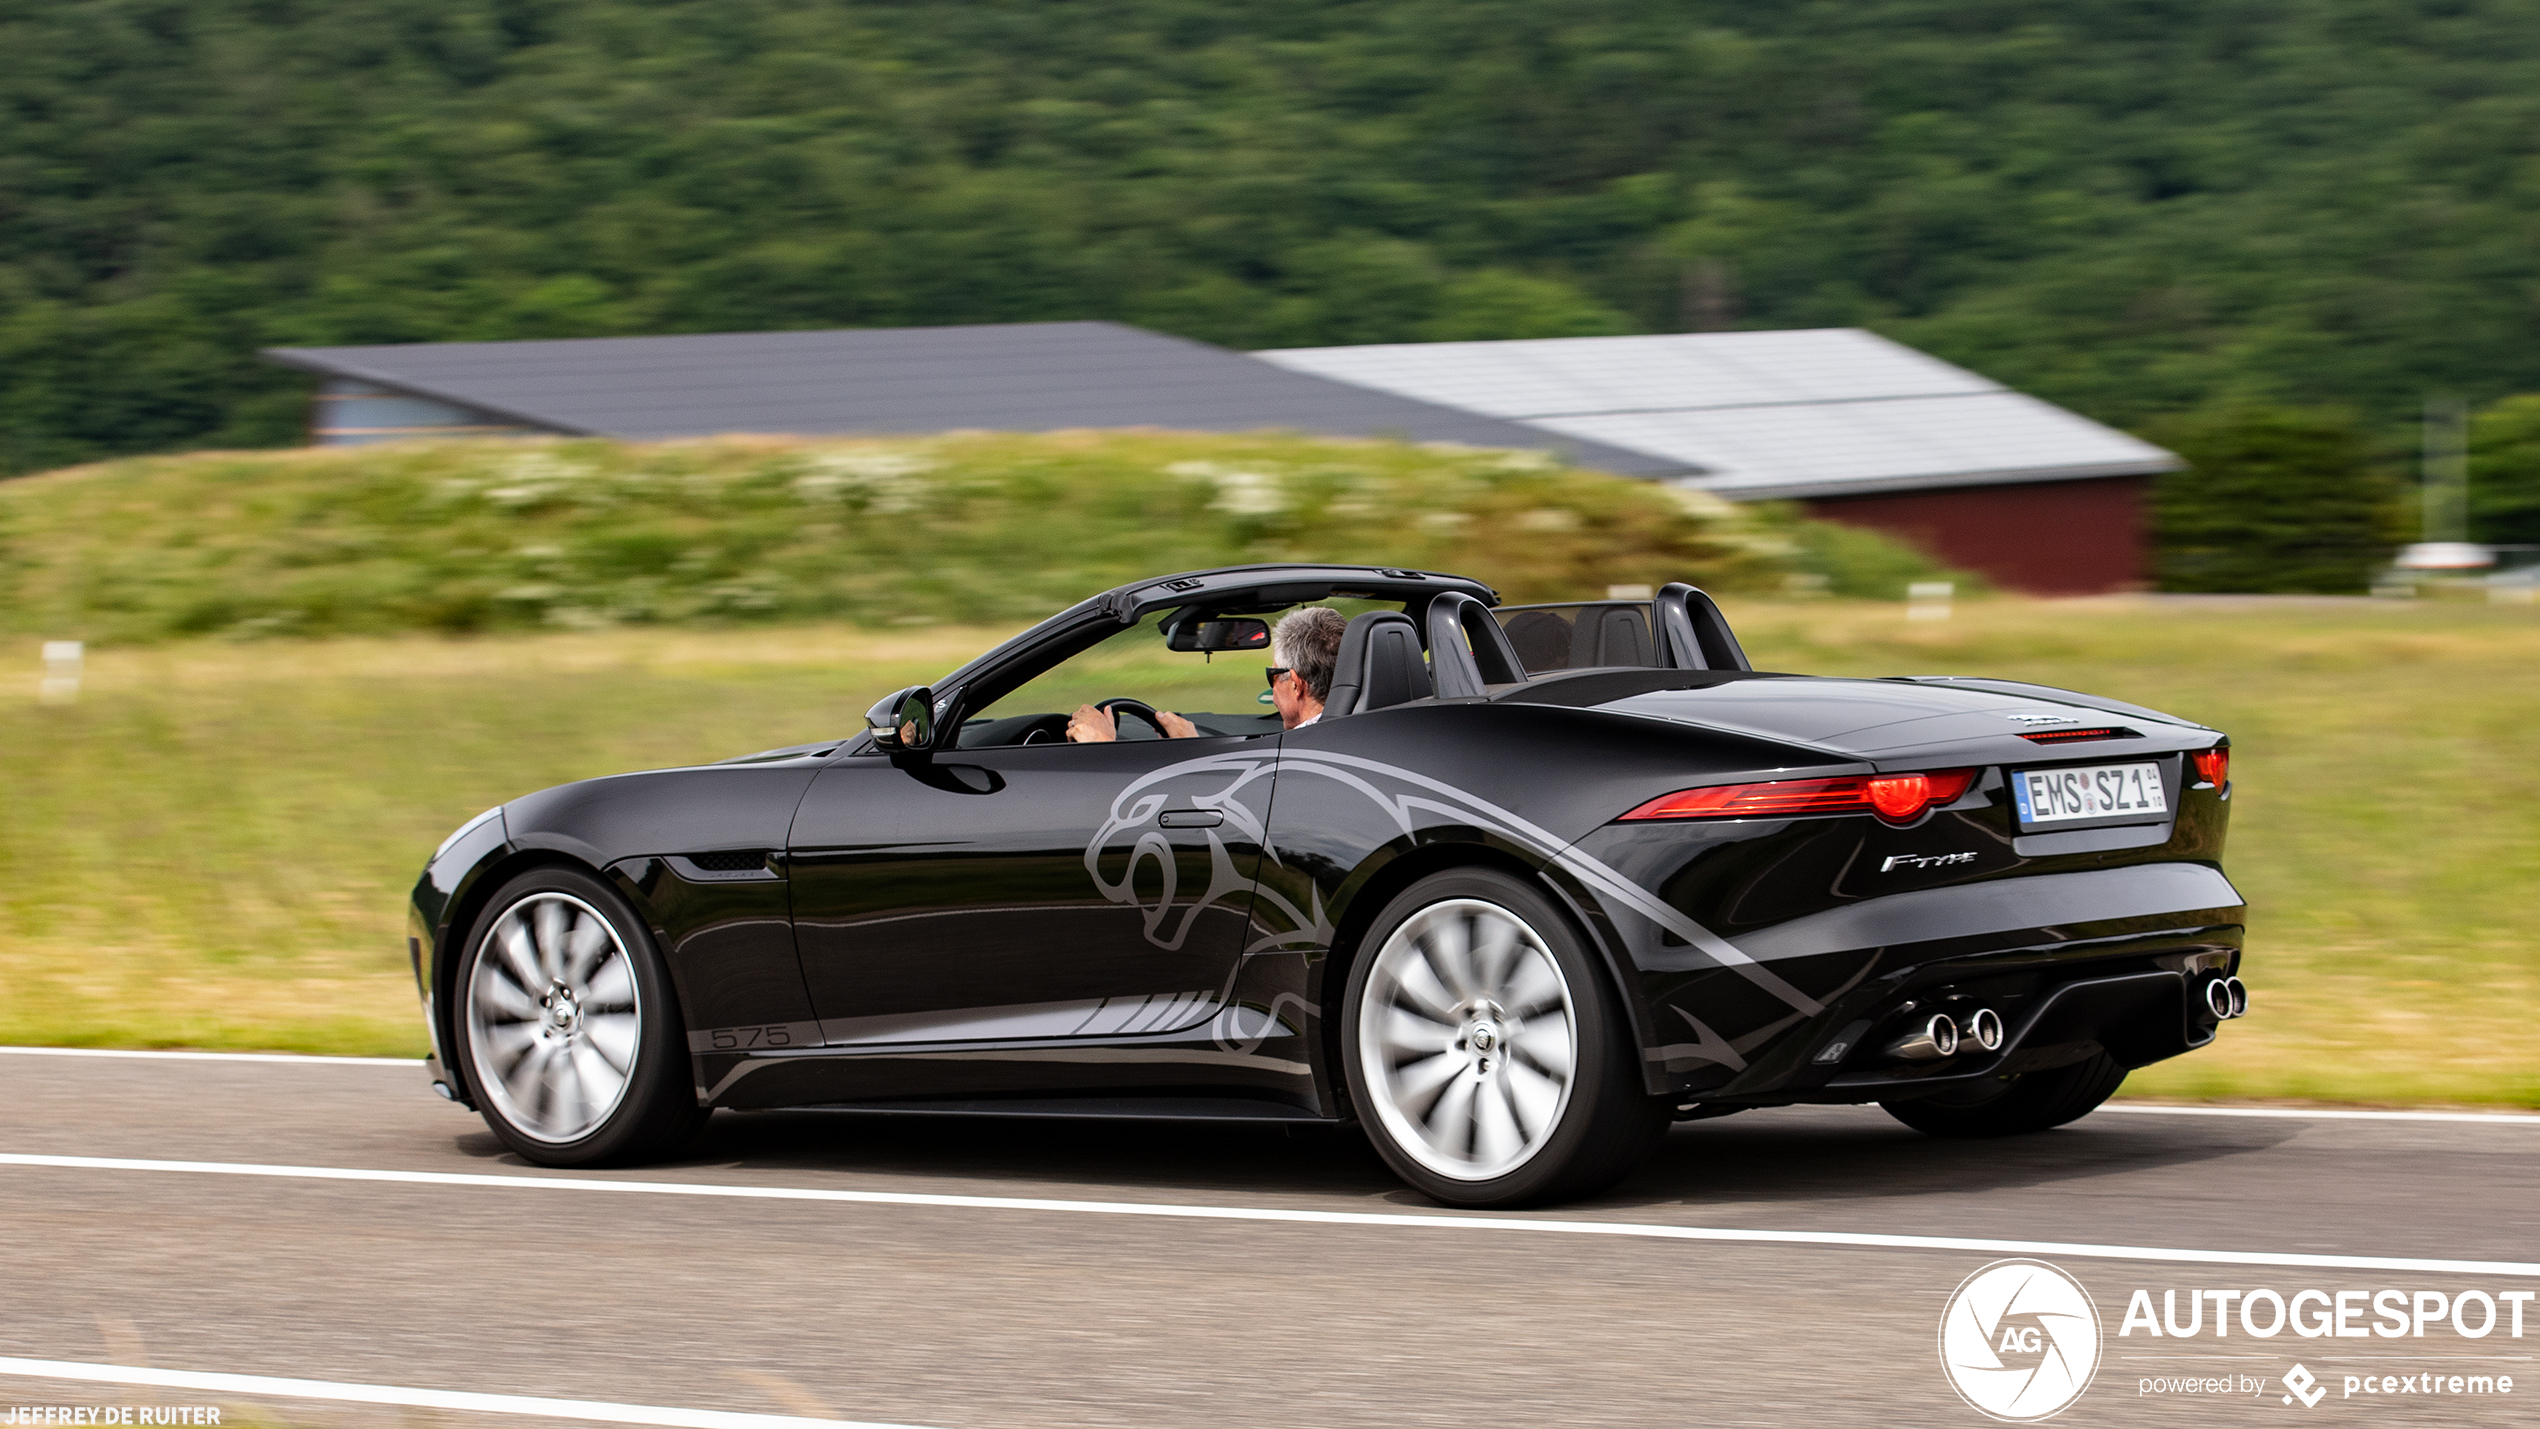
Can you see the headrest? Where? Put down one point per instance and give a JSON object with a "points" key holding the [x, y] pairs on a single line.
{"points": [[1379, 665], [1609, 635], [1541, 639]]}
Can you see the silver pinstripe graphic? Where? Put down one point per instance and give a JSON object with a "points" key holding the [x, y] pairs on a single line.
{"points": [[1135, 806], [1241, 1032]]}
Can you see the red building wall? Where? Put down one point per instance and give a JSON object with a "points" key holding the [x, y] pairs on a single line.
{"points": [[2042, 538]]}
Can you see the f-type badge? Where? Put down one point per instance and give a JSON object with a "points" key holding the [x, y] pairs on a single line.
{"points": [[1917, 862]]}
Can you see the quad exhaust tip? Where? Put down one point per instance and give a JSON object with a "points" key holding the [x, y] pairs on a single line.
{"points": [[1942, 1035], [2227, 998], [1936, 1038], [1984, 1028]]}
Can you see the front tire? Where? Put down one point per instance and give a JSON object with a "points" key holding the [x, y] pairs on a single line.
{"points": [[568, 1027], [2034, 1101], [1486, 1053]]}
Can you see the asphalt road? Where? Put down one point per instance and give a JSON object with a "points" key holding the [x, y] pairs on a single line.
{"points": [[977, 1313]]}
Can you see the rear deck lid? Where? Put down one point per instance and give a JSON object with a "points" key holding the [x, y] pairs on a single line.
{"points": [[1877, 719]]}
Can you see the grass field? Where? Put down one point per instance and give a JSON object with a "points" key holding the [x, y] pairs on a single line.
{"points": [[210, 848], [479, 537]]}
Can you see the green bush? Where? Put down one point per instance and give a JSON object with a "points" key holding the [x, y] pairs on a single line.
{"points": [[1857, 563], [472, 536], [2272, 499]]}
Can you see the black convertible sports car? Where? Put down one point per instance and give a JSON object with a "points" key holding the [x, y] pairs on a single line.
{"points": [[1540, 880]]}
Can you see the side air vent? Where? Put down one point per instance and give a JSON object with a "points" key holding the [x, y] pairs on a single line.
{"points": [[724, 865], [730, 860], [2076, 736]]}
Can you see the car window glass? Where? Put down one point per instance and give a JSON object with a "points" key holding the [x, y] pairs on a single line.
{"points": [[1219, 693], [1575, 637]]}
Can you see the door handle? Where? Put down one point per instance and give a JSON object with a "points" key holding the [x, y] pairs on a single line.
{"points": [[1191, 818]]}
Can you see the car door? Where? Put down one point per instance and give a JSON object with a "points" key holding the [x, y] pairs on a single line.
{"points": [[1028, 892]]}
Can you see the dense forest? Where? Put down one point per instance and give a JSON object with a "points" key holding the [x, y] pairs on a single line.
{"points": [[2140, 208]]}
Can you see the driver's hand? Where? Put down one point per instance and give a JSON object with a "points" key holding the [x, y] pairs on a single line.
{"points": [[1093, 726], [1176, 727]]}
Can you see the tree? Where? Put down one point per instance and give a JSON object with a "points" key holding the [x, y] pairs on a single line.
{"points": [[2271, 499], [1496, 303], [2504, 473], [2134, 210]]}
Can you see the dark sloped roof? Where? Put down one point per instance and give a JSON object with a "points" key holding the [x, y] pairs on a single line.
{"points": [[1003, 377]]}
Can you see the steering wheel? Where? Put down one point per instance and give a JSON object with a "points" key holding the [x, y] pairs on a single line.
{"points": [[1122, 704]]}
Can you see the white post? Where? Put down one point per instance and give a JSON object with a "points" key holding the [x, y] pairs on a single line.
{"points": [[2446, 492], [1929, 600], [61, 672]]}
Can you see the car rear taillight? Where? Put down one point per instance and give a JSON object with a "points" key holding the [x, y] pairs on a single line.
{"points": [[1897, 798], [2214, 766]]}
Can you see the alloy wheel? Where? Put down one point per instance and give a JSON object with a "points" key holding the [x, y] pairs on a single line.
{"points": [[554, 1018], [1468, 1039]]}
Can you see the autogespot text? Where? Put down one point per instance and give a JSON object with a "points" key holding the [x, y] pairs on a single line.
{"points": [[2327, 1314], [2263, 1314]]}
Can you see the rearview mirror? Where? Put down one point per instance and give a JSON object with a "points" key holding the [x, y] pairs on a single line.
{"points": [[1214, 635], [904, 723]]}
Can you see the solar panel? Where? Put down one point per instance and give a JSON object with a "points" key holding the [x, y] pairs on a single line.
{"points": [[1808, 412], [994, 377]]}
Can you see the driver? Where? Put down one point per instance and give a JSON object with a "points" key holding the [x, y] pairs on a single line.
{"points": [[1307, 644], [1092, 724]]}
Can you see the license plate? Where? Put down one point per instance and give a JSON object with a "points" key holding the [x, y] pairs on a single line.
{"points": [[2099, 791]]}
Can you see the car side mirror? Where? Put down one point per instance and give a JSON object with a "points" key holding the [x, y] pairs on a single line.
{"points": [[904, 723], [1214, 635]]}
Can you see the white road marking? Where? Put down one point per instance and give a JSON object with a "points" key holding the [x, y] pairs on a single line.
{"points": [[2325, 1114], [260, 1384], [414, 1064], [2149, 1108], [1440, 1221]]}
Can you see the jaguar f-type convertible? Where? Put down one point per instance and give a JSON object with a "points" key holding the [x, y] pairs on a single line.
{"points": [[1538, 881]]}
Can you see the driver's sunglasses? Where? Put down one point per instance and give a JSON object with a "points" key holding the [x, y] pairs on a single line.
{"points": [[1272, 673]]}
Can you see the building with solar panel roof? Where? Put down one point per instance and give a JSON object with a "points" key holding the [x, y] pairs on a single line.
{"points": [[1860, 429], [1857, 428], [1005, 377]]}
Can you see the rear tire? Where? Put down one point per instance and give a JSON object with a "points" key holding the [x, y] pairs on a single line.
{"points": [[2031, 1102], [1486, 1054], [568, 1028]]}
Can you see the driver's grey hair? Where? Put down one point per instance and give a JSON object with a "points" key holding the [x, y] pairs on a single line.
{"points": [[1308, 641]]}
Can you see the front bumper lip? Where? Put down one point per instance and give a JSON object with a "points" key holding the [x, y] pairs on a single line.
{"points": [[453, 868], [438, 1077], [442, 1082]]}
